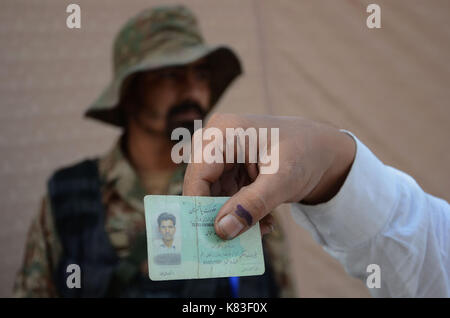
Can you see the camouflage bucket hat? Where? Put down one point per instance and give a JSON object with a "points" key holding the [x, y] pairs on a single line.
{"points": [[157, 38]]}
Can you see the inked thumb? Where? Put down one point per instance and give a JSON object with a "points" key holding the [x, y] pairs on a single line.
{"points": [[249, 205]]}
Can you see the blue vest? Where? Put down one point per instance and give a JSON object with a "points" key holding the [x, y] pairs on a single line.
{"points": [[78, 215]]}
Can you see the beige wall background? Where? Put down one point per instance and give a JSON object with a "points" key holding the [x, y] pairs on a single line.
{"points": [[309, 58]]}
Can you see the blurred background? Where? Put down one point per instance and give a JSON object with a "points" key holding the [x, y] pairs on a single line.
{"points": [[389, 86]]}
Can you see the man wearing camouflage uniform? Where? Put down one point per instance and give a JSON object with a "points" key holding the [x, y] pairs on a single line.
{"points": [[165, 77]]}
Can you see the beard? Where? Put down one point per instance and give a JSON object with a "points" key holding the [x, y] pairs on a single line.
{"points": [[174, 118]]}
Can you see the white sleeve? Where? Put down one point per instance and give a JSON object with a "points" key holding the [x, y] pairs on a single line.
{"points": [[381, 216]]}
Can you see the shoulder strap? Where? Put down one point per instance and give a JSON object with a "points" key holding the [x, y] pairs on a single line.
{"points": [[79, 220]]}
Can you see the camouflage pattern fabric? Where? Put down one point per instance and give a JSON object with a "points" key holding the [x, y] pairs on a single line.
{"points": [[161, 37]]}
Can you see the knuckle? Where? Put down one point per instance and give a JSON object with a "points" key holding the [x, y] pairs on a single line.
{"points": [[215, 118], [222, 120]]}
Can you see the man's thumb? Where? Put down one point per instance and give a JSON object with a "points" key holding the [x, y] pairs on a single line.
{"points": [[245, 208]]}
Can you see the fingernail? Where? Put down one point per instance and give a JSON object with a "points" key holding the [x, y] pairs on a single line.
{"points": [[230, 226]]}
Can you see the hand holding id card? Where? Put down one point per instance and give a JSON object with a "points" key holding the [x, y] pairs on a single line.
{"points": [[182, 243]]}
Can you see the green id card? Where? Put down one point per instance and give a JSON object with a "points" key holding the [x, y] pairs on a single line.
{"points": [[182, 242]]}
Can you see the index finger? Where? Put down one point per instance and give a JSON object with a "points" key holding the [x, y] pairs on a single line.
{"points": [[200, 176]]}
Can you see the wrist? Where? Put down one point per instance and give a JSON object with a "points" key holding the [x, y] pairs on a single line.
{"points": [[343, 148]]}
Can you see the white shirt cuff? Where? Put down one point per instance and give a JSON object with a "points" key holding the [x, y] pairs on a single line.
{"points": [[360, 209]]}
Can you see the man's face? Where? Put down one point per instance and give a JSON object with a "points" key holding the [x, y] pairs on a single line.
{"points": [[171, 97], [167, 230]]}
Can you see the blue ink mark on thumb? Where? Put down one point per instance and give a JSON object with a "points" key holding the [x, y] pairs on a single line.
{"points": [[243, 213]]}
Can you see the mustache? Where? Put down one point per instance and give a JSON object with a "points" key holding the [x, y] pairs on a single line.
{"points": [[183, 107], [180, 108]]}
